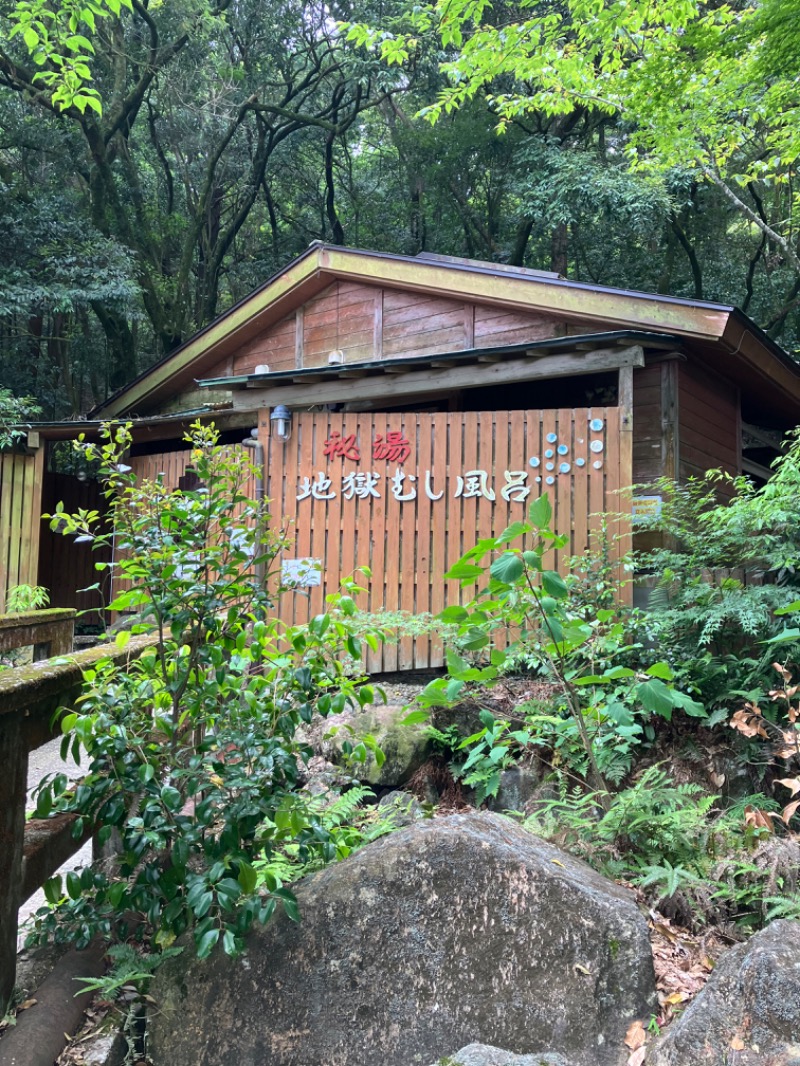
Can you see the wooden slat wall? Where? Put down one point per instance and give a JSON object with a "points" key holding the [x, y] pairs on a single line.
{"points": [[20, 519], [708, 409], [64, 566], [409, 545]]}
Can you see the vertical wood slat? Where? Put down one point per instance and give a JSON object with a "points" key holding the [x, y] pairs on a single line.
{"points": [[410, 545], [20, 518]]}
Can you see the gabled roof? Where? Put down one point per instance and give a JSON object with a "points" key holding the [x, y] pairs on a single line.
{"points": [[717, 331]]}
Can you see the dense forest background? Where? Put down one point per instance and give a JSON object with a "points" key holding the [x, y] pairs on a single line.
{"points": [[231, 136]]}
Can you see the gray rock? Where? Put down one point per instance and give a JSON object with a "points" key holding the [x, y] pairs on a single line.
{"points": [[753, 995], [405, 747], [454, 930], [483, 1055], [402, 807], [518, 786]]}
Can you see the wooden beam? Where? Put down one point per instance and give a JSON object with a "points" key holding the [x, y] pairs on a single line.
{"points": [[443, 380], [670, 442], [490, 358], [764, 436], [756, 469], [625, 404]]}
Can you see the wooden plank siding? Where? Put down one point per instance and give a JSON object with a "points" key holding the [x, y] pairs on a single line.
{"points": [[410, 544], [369, 322], [708, 415], [20, 519], [65, 568]]}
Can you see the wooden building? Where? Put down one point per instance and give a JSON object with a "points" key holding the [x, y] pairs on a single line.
{"points": [[430, 397]]}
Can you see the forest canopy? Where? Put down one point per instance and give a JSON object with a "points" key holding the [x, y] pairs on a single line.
{"points": [[206, 144]]}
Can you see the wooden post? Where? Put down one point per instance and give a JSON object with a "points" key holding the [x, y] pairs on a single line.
{"points": [[625, 403], [13, 785]]}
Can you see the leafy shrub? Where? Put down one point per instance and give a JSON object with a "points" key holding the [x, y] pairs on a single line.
{"points": [[609, 704], [192, 756]]}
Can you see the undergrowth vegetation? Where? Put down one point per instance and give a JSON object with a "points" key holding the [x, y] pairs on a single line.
{"points": [[194, 760], [665, 742], [670, 743]]}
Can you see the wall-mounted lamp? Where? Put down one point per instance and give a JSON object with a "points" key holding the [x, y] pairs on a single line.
{"points": [[281, 420]]}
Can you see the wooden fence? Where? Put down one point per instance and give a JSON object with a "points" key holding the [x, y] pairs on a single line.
{"points": [[20, 519], [407, 494]]}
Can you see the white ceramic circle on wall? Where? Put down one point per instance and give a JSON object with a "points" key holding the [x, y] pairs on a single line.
{"points": [[534, 462], [596, 445], [596, 425], [598, 464]]}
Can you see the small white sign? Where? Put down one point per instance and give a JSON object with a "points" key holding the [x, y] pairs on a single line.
{"points": [[646, 508], [301, 573]]}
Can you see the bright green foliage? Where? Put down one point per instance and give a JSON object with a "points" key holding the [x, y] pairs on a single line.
{"points": [[607, 701], [26, 598], [351, 820], [699, 85], [192, 755], [55, 37], [491, 750], [726, 579]]}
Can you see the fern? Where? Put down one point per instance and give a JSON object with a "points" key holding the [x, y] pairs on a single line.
{"points": [[350, 820]]}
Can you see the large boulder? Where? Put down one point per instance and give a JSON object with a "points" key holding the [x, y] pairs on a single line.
{"points": [[456, 930], [748, 1013]]}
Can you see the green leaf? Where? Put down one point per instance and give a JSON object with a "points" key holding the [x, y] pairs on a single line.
{"points": [[415, 717], [656, 698], [464, 572], [44, 803], [553, 584], [206, 942], [474, 639], [171, 798], [122, 638], [618, 672], [53, 890], [790, 608], [661, 670], [787, 636], [454, 615], [688, 705], [508, 568], [73, 885], [516, 529], [248, 878], [540, 512]]}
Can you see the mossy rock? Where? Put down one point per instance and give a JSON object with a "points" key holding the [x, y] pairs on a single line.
{"points": [[405, 747]]}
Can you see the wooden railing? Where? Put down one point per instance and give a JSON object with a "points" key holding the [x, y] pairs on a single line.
{"points": [[30, 696]]}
